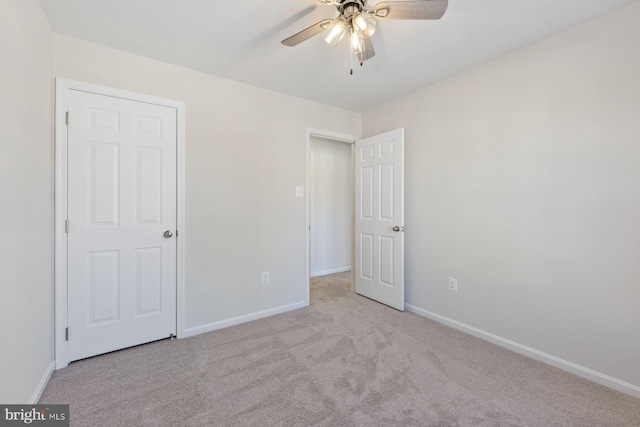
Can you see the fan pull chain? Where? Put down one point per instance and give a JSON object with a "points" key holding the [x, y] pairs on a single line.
{"points": [[351, 59], [351, 62], [361, 63]]}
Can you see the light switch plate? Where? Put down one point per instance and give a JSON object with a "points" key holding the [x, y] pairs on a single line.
{"points": [[299, 192]]}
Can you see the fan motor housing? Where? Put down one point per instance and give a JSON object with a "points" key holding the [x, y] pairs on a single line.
{"points": [[351, 6]]}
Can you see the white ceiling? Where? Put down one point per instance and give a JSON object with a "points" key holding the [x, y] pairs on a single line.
{"points": [[240, 40]]}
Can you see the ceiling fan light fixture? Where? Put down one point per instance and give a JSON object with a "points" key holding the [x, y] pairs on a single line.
{"points": [[365, 23], [357, 41], [335, 32]]}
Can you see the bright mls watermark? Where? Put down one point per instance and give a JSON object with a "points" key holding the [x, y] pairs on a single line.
{"points": [[34, 415]]}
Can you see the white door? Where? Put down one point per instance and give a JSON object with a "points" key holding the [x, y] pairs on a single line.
{"points": [[121, 200], [379, 168]]}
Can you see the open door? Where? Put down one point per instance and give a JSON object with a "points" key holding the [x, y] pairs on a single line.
{"points": [[379, 225]]}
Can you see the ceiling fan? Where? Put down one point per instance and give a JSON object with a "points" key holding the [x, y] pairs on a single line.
{"points": [[359, 20]]}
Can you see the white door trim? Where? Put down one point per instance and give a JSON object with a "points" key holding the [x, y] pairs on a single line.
{"points": [[63, 86], [307, 177]]}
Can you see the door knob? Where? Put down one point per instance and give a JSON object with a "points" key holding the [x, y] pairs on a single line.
{"points": [[168, 234], [396, 229]]}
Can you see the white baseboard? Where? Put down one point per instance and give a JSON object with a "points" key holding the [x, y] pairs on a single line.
{"points": [[332, 271], [42, 384], [565, 365], [189, 332]]}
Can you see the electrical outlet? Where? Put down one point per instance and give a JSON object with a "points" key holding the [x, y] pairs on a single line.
{"points": [[453, 284], [265, 277]]}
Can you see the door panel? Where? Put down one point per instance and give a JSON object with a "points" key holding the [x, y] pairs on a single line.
{"points": [[149, 186], [379, 208], [148, 281], [121, 199], [366, 195], [104, 283], [366, 256], [104, 177]]}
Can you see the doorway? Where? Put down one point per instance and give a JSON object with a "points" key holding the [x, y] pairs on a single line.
{"points": [[119, 207], [330, 208], [377, 227]]}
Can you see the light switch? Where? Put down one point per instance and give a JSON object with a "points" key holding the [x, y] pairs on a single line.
{"points": [[299, 192]]}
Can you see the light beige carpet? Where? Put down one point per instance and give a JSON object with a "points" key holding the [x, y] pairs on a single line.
{"points": [[343, 361]]}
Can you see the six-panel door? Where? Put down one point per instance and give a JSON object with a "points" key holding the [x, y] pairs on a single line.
{"points": [[379, 168], [121, 200]]}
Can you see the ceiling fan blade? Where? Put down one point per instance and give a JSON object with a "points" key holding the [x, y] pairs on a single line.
{"points": [[306, 34], [425, 9], [369, 51]]}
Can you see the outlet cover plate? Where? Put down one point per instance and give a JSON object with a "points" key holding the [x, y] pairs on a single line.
{"points": [[453, 284], [265, 277]]}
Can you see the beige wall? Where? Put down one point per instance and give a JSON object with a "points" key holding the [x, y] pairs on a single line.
{"points": [[523, 182], [245, 154], [26, 267]]}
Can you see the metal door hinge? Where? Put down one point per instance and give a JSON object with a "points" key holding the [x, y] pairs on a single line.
{"points": [[66, 226], [66, 334], [66, 118]]}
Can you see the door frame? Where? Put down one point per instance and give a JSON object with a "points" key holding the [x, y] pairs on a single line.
{"points": [[63, 87], [350, 139]]}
